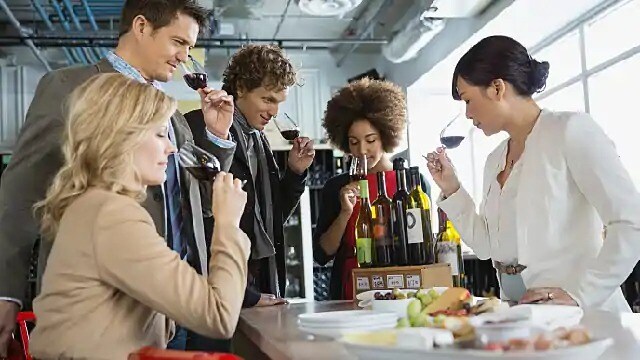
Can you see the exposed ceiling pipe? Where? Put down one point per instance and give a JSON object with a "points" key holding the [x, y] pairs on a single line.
{"points": [[368, 27], [28, 42], [92, 53], [93, 41], [43, 15], [92, 22], [112, 37], [65, 25], [282, 18]]}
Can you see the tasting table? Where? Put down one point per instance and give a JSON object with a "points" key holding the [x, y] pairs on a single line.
{"points": [[272, 333]]}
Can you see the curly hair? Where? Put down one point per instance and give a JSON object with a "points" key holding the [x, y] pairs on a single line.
{"points": [[258, 65], [382, 103], [98, 142]]}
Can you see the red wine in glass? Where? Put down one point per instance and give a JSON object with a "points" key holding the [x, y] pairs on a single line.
{"points": [[357, 177], [201, 164], [451, 142], [358, 168], [290, 134], [287, 127], [196, 81], [194, 74], [454, 132], [203, 172]]}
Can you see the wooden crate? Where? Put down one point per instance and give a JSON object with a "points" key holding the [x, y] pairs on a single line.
{"points": [[403, 277]]}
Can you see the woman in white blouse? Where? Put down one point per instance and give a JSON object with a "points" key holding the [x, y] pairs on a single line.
{"points": [[548, 189]]}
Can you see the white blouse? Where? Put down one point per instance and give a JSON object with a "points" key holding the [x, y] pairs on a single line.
{"points": [[570, 182], [500, 215]]}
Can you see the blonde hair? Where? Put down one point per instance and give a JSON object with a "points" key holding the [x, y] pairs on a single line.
{"points": [[108, 116]]}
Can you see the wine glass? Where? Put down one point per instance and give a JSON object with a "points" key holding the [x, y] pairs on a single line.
{"points": [[455, 131], [287, 127], [194, 74], [358, 168], [198, 162]]}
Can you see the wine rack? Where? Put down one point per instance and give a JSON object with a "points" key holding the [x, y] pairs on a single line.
{"points": [[326, 164]]}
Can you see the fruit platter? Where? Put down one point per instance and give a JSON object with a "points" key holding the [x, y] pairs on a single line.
{"points": [[449, 323]]}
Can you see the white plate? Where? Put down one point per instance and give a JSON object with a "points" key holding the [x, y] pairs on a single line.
{"points": [[366, 297], [337, 333], [591, 351], [348, 317], [364, 325], [399, 307], [542, 315]]}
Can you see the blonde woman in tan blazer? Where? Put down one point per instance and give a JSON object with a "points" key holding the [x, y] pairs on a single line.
{"points": [[111, 283]]}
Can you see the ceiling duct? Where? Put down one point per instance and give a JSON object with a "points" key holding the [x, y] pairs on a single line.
{"points": [[420, 29], [456, 8], [327, 7], [406, 44]]}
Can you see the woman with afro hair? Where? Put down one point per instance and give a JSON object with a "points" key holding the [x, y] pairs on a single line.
{"points": [[365, 119]]}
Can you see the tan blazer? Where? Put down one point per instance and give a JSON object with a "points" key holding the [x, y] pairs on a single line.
{"points": [[37, 157], [111, 279]]}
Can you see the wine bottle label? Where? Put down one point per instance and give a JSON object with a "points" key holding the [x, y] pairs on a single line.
{"points": [[362, 283], [363, 250], [414, 226], [395, 281], [413, 281], [364, 188], [378, 282], [448, 253]]}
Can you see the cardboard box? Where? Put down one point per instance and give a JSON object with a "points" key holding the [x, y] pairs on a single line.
{"points": [[403, 277]]}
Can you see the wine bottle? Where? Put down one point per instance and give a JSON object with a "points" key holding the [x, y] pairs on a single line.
{"points": [[400, 205], [363, 227], [449, 248], [382, 225], [419, 233]]}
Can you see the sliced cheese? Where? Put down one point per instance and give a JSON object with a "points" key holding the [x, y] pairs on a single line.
{"points": [[451, 299]]}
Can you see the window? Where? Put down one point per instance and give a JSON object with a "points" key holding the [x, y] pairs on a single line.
{"points": [[613, 105], [563, 57], [570, 98], [612, 33], [610, 93]]}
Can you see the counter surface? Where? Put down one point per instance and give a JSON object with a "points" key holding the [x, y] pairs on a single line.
{"points": [[272, 333]]}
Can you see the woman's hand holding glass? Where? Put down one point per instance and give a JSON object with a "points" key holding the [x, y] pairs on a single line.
{"points": [[348, 197], [228, 199], [442, 171]]}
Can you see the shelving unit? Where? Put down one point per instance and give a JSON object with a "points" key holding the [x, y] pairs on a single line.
{"points": [[311, 279]]}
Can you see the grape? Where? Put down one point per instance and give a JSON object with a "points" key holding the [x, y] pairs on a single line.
{"points": [[403, 322], [434, 294], [414, 308], [422, 320], [426, 300]]}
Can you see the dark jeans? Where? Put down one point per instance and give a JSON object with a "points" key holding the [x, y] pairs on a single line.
{"points": [[189, 340]]}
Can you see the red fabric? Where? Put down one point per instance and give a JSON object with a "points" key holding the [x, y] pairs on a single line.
{"points": [[149, 353], [349, 237], [20, 350]]}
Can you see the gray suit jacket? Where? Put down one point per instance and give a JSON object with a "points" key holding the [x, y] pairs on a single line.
{"points": [[36, 159]]}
